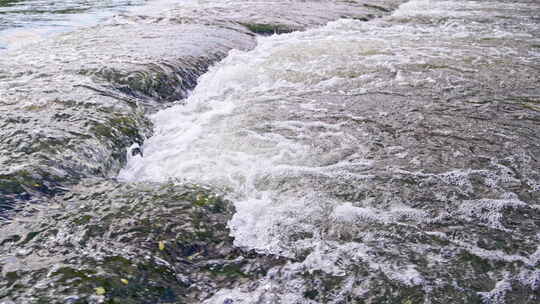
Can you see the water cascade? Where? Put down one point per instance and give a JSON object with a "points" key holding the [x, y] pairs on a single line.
{"points": [[381, 152]]}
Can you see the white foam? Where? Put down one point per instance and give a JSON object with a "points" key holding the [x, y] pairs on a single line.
{"points": [[249, 128], [488, 211], [497, 295]]}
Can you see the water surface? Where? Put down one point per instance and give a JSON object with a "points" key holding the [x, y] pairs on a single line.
{"points": [[25, 21], [379, 152]]}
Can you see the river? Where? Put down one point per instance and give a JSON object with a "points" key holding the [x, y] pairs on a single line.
{"points": [[273, 152]]}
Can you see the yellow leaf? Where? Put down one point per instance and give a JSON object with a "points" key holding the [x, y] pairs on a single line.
{"points": [[161, 245], [191, 257], [124, 281], [100, 290]]}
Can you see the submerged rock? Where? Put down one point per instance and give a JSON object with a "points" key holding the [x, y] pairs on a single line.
{"points": [[72, 114], [394, 161], [106, 242], [71, 111], [282, 16]]}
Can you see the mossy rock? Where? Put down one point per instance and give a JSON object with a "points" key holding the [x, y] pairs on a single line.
{"points": [[140, 243], [268, 29], [85, 141]]}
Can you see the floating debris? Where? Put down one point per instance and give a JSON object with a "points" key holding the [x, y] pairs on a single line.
{"points": [[161, 245], [100, 291]]}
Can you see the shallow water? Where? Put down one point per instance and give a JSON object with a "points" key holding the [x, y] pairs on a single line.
{"points": [[275, 126], [315, 133], [379, 154], [27, 21]]}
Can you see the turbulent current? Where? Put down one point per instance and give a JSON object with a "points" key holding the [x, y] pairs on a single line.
{"points": [[276, 152]]}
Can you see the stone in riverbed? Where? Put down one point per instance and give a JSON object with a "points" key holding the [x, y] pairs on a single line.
{"points": [[169, 242], [73, 115]]}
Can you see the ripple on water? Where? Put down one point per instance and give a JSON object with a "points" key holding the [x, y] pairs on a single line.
{"points": [[362, 141], [393, 160]]}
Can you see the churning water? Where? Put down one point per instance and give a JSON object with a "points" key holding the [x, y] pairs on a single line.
{"points": [[279, 128], [384, 159]]}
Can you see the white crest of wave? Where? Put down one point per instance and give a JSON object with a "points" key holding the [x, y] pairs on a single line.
{"points": [[254, 128], [246, 129]]}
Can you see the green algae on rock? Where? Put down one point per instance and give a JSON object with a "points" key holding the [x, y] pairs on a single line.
{"points": [[104, 234], [73, 115], [418, 184], [268, 29]]}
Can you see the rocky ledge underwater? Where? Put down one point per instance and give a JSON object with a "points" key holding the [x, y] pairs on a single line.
{"points": [[372, 152]]}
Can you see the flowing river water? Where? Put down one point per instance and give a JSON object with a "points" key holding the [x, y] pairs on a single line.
{"points": [[24, 22], [372, 152]]}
